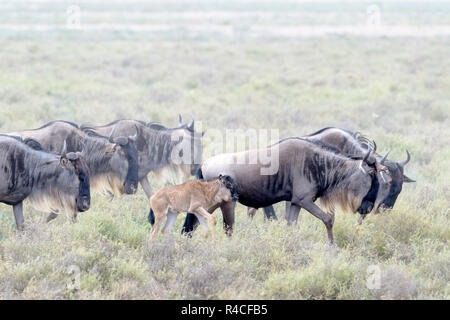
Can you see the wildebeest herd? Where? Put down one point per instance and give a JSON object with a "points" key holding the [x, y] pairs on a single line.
{"points": [[55, 167]]}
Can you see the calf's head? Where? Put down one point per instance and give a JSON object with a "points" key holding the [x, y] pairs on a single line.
{"points": [[227, 191]]}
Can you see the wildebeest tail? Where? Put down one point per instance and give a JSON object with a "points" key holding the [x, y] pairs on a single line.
{"points": [[200, 174], [151, 217]]}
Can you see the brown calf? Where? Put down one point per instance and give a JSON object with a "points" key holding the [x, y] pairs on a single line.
{"points": [[197, 197]]}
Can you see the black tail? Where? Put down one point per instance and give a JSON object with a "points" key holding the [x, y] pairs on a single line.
{"points": [[151, 217], [200, 174]]}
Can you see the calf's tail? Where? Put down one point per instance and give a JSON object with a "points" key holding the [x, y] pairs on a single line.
{"points": [[151, 217]]}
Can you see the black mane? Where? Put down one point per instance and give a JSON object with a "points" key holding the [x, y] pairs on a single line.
{"points": [[73, 124]]}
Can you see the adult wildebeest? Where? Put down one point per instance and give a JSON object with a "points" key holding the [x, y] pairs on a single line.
{"points": [[50, 182], [356, 145], [194, 196], [160, 148], [306, 171], [112, 162]]}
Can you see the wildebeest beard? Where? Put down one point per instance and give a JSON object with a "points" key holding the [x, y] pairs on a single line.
{"points": [[330, 177], [369, 199]]}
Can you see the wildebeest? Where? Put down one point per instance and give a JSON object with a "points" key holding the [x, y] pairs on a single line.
{"points": [[112, 161], [50, 182], [196, 197], [306, 171], [160, 148], [356, 145]]}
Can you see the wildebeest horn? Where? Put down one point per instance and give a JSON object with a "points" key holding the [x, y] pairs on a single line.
{"points": [[374, 145], [72, 156], [385, 157], [366, 156], [180, 120], [64, 148], [191, 125], [403, 163], [112, 133], [408, 179], [121, 141], [137, 133]]}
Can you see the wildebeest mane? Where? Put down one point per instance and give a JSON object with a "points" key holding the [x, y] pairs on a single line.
{"points": [[28, 141], [73, 124]]}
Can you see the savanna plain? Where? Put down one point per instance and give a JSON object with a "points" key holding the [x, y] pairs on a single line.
{"points": [[394, 90]]}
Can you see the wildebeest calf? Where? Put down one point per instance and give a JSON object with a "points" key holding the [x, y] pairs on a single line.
{"points": [[196, 197]]}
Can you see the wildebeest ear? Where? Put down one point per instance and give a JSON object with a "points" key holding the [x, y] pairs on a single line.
{"points": [[203, 133], [407, 179], [64, 162]]}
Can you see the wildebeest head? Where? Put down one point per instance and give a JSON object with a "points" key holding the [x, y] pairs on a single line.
{"points": [[229, 192], [124, 160], [74, 161], [395, 178]]}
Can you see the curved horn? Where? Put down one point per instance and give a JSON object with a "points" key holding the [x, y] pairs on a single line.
{"points": [[403, 163], [137, 132], [111, 134], [374, 145], [385, 157], [366, 156], [180, 120], [191, 125], [64, 151]]}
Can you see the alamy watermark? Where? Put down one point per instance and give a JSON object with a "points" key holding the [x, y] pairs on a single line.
{"points": [[233, 147]]}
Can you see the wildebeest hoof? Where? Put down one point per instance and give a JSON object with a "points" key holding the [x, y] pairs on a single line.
{"points": [[361, 218]]}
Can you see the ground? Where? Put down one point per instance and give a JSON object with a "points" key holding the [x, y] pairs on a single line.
{"points": [[395, 90]]}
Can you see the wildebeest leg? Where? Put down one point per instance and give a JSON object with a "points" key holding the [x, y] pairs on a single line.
{"points": [[251, 212], [148, 192], [190, 223], [287, 210], [293, 214], [327, 219], [228, 216], [269, 213], [18, 215], [74, 217], [51, 216]]}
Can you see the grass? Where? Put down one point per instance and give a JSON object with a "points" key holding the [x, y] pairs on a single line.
{"points": [[395, 90]]}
